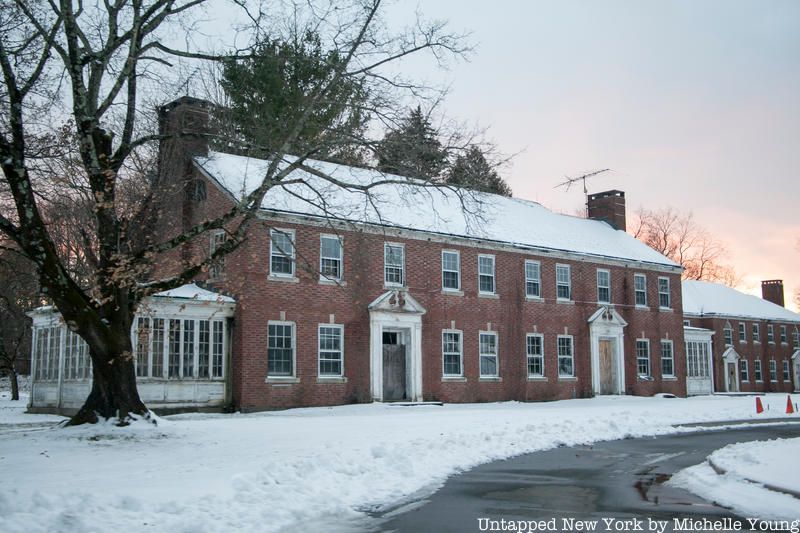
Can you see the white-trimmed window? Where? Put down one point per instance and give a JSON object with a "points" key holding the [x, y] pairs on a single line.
{"points": [[643, 358], [756, 333], [394, 264], [640, 290], [486, 282], [48, 346], [697, 359], [330, 257], [784, 339], [663, 293], [786, 373], [727, 334], [742, 332], [757, 370], [488, 353], [76, 357], [603, 286], [192, 348], [217, 267], [667, 359], [535, 350], [281, 252], [533, 279], [744, 375], [770, 334], [452, 353], [563, 282], [330, 350], [566, 361], [796, 338], [280, 349], [773, 370], [451, 270]]}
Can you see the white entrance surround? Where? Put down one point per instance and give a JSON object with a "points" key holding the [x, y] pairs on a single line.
{"points": [[796, 365], [396, 310], [699, 364], [606, 323], [730, 357]]}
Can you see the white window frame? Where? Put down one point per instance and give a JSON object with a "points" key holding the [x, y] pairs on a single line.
{"points": [[758, 373], [216, 269], [273, 252], [796, 338], [770, 334], [457, 271], [666, 293], [727, 334], [340, 259], [493, 275], [320, 359], [489, 355], [530, 279], [159, 357], [773, 371], [744, 371], [742, 328], [402, 267], [664, 343], [293, 327], [784, 336], [607, 272], [460, 353], [568, 284], [570, 356], [639, 359], [539, 356], [642, 291], [756, 332], [787, 372]]}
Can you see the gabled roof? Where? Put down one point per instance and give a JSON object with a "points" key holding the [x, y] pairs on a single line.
{"points": [[408, 205], [713, 299], [193, 292]]}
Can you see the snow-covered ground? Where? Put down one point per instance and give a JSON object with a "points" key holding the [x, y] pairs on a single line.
{"points": [[757, 479], [301, 469]]}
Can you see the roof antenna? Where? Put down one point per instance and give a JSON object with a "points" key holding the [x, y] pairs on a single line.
{"points": [[569, 181]]}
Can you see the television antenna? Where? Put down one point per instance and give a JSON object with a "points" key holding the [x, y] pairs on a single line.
{"points": [[570, 181]]}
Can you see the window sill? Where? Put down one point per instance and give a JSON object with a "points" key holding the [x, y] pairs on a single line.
{"points": [[644, 378], [453, 292], [537, 378], [756, 342], [390, 286], [642, 307], [567, 378], [332, 282], [665, 309], [490, 295], [284, 279], [745, 381], [534, 299], [669, 378], [285, 380], [454, 379], [565, 301], [496, 379], [331, 379]]}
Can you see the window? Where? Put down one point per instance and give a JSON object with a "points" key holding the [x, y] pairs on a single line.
{"points": [[159, 344], [783, 335], [394, 261], [770, 334], [486, 274], [667, 359], [663, 293], [330, 257], [603, 286], [563, 282], [76, 357], [330, 350], [280, 349], [535, 350], [786, 374], [697, 359], [142, 345], [451, 354], [643, 358], [217, 266], [640, 289], [451, 270], [488, 354], [757, 370], [756, 334], [796, 338], [187, 364], [744, 375], [174, 348], [203, 348], [727, 334], [533, 279], [566, 364], [742, 333], [687, 323], [192, 348], [281, 252], [48, 346], [773, 370]]}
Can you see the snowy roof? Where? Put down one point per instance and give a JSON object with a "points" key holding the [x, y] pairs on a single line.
{"points": [[713, 299], [193, 292], [411, 206]]}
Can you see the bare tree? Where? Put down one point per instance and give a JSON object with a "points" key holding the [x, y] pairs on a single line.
{"points": [[98, 64], [678, 236]]}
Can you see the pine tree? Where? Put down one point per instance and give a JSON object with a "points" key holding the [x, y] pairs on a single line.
{"points": [[472, 171], [412, 149]]}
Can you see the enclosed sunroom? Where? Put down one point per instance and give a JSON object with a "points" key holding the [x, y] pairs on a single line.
{"points": [[181, 341]]}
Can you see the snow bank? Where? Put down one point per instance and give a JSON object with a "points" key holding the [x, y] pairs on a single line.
{"points": [[317, 468]]}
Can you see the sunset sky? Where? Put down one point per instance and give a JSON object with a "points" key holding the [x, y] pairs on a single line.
{"points": [[693, 104]]}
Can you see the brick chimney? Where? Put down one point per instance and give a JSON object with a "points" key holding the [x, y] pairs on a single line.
{"points": [[608, 206], [185, 124], [772, 291]]}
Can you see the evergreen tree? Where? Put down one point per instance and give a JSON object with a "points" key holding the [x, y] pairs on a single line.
{"points": [[472, 171], [412, 149]]}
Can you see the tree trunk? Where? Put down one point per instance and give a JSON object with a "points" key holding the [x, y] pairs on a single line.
{"points": [[12, 376], [113, 394]]}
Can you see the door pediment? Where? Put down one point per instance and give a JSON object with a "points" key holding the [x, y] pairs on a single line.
{"points": [[397, 301], [730, 355], [607, 316]]}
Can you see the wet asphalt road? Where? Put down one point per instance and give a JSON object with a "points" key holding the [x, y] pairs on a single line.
{"points": [[619, 479]]}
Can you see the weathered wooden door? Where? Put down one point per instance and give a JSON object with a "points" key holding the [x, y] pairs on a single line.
{"points": [[607, 367], [733, 383], [394, 372]]}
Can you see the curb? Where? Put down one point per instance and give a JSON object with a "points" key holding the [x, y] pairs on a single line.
{"points": [[751, 421], [775, 488]]}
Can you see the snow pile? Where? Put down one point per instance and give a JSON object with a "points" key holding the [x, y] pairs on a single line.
{"points": [[756, 479], [315, 468]]}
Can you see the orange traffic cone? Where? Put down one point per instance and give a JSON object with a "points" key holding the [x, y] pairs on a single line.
{"points": [[789, 406], [759, 407]]}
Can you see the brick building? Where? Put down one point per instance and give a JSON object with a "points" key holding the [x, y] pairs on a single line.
{"points": [[756, 341]]}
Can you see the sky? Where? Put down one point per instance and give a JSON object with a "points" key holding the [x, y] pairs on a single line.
{"points": [[694, 105]]}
